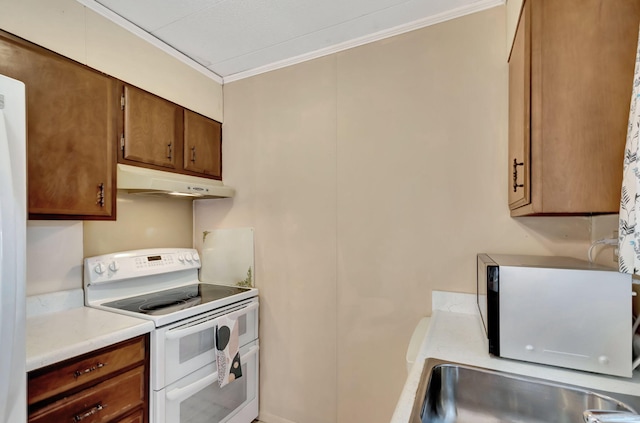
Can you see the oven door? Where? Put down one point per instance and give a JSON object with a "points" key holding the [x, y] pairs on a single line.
{"points": [[198, 398], [184, 347]]}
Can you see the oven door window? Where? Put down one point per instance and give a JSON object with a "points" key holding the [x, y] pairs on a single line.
{"points": [[196, 344], [198, 398], [191, 345]]}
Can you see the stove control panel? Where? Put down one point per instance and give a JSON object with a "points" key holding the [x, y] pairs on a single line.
{"points": [[137, 263]]}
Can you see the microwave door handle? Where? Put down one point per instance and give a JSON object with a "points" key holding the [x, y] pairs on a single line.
{"points": [[180, 394], [179, 333]]}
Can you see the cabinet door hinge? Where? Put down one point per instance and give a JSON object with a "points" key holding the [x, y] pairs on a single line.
{"points": [[122, 101]]}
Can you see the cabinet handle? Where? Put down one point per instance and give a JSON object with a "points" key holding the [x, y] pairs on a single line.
{"points": [[100, 196], [169, 150], [79, 373], [93, 410], [193, 154], [516, 185]]}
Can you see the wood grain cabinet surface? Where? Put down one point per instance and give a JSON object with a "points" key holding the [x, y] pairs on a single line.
{"points": [[136, 417], [159, 134], [106, 386], [570, 80], [152, 129], [202, 145], [71, 132]]}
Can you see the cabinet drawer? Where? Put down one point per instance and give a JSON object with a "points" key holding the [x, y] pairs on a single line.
{"points": [[77, 372], [100, 403]]}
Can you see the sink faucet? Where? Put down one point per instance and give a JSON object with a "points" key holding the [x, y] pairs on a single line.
{"points": [[610, 416]]}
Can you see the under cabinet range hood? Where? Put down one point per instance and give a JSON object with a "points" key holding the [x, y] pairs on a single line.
{"points": [[143, 181]]}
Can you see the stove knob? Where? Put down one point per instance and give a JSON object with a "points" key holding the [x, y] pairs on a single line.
{"points": [[180, 258], [114, 266], [196, 257], [100, 268], [188, 257]]}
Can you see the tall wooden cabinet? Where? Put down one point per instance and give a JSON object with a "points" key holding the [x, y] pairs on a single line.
{"points": [[71, 132], [159, 134], [570, 79]]}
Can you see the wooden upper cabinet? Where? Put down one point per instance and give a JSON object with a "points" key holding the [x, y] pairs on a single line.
{"points": [[152, 129], [202, 144], [519, 112], [570, 80], [159, 134], [71, 132]]}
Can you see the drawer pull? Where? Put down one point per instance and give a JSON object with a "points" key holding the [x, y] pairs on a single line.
{"points": [[96, 408], [79, 373]]}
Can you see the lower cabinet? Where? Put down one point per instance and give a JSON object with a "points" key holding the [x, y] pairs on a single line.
{"points": [[108, 385], [137, 417]]}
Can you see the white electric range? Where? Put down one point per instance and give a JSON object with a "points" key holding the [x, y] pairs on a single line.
{"points": [[162, 285]]}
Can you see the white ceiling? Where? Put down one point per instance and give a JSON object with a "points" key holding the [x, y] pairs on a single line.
{"points": [[239, 38]]}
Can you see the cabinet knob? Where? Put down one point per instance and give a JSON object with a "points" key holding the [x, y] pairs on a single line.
{"points": [[516, 185]]}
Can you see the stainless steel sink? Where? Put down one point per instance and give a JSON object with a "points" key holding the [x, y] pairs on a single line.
{"points": [[451, 392]]}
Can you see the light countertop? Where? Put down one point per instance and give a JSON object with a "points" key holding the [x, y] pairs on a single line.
{"points": [[56, 333], [456, 334]]}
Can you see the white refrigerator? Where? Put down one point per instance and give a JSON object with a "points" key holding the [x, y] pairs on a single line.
{"points": [[13, 218]]}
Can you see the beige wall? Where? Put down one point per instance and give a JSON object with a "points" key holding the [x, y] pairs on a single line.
{"points": [[281, 157], [143, 222], [67, 27], [54, 256], [371, 177]]}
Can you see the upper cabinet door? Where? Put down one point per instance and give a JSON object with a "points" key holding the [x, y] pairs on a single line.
{"points": [[71, 132], [152, 129], [571, 75], [202, 145], [519, 113]]}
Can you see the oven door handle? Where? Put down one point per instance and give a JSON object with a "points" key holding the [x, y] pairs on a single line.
{"points": [[179, 333], [180, 394]]}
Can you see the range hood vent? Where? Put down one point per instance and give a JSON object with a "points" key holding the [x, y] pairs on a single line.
{"points": [[143, 181]]}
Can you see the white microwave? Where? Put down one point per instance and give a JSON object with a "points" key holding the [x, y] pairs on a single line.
{"points": [[558, 311]]}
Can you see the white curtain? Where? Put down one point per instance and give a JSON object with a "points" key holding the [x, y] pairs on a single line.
{"points": [[629, 232]]}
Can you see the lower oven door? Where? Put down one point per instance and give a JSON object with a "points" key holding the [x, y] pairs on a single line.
{"points": [[182, 348], [197, 398]]}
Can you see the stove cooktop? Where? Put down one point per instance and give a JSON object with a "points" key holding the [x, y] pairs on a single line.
{"points": [[171, 300]]}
